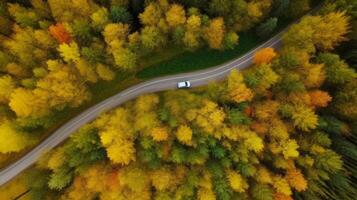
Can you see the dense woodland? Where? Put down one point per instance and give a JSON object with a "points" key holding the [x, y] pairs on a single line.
{"points": [[283, 129], [52, 52]]}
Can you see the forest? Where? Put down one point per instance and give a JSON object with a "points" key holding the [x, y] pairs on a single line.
{"points": [[58, 58], [284, 128]]}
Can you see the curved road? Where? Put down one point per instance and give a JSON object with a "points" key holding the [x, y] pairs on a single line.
{"points": [[197, 78]]}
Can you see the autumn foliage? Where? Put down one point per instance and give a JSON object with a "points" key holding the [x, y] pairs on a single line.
{"points": [[282, 129], [59, 32]]}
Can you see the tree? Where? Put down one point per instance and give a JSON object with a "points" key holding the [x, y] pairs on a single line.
{"points": [[100, 18], [298, 8], [175, 16], [331, 31], [69, 52], [304, 118], [281, 185], [13, 140], [124, 58], [23, 16], [265, 29], [184, 135], [280, 7], [82, 30], [61, 86], [60, 33], [319, 98], [159, 134], [21, 102], [237, 90], [214, 33], [105, 72], [7, 85], [86, 71], [152, 38], [345, 100], [60, 179], [300, 35], [262, 192], [119, 14], [192, 35], [151, 15], [115, 33], [236, 181], [296, 180], [337, 71], [230, 40], [264, 56]]}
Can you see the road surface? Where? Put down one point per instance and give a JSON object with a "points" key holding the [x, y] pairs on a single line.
{"points": [[197, 78]]}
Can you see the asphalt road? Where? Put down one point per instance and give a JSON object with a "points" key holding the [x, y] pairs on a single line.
{"points": [[197, 78]]}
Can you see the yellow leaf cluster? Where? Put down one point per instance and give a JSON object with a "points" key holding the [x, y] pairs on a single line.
{"points": [[151, 14], [56, 159], [175, 15], [209, 117], [21, 102], [184, 135], [11, 140], [263, 176], [117, 136], [238, 91], [281, 185], [7, 85], [115, 33], [163, 179], [214, 33], [236, 181], [304, 118], [104, 72], [69, 52]]}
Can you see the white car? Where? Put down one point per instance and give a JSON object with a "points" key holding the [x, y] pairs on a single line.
{"points": [[184, 84]]}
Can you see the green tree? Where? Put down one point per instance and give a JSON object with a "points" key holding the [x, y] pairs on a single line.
{"points": [[265, 29], [337, 71], [120, 14]]}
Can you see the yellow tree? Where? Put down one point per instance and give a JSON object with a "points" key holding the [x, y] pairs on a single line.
{"points": [[69, 52], [7, 85], [236, 181], [304, 118], [86, 70], [214, 33], [209, 116], [62, 85], [281, 185], [205, 191], [151, 14], [192, 34], [117, 136], [175, 16], [105, 72], [237, 90], [184, 134], [115, 34], [331, 31], [12, 140], [21, 102]]}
